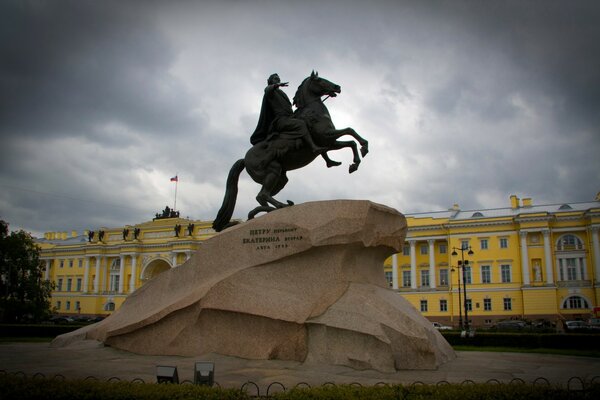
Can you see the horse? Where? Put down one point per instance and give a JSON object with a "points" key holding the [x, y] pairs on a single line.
{"points": [[267, 162]]}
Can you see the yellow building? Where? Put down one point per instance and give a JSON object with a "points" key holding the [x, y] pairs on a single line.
{"points": [[95, 271], [527, 261]]}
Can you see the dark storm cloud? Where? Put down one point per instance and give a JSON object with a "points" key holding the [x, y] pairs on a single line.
{"points": [[462, 101], [69, 66]]}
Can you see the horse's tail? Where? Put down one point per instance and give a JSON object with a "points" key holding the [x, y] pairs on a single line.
{"points": [[231, 189]]}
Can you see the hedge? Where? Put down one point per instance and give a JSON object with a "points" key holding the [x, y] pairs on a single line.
{"points": [[570, 341], [39, 330], [22, 388]]}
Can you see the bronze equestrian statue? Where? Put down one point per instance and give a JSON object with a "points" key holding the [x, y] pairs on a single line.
{"points": [[284, 141]]}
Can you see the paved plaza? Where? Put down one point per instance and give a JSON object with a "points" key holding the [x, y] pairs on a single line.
{"points": [[91, 358]]}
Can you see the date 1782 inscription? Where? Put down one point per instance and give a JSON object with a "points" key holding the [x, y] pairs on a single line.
{"points": [[267, 239]]}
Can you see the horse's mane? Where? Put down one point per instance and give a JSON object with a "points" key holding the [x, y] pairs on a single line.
{"points": [[299, 101]]}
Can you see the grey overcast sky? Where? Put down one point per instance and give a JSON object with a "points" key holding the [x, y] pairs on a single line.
{"points": [[467, 102]]}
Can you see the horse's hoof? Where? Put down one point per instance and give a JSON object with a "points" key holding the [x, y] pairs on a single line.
{"points": [[353, 167], [333, 164], [364, 150], [290, 203]]}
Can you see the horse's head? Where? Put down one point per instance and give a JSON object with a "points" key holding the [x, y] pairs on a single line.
{"points": [[313, 88]]}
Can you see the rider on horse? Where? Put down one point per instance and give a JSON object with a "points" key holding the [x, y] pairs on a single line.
{"points": [[277, 118]]}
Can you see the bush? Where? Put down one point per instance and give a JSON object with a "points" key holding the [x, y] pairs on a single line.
{"points": [[18, 388]]}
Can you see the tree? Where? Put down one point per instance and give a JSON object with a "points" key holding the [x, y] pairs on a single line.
{"points": [[24, 294]]}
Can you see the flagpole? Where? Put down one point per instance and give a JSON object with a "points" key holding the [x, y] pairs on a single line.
{"points": [[176, 183]]}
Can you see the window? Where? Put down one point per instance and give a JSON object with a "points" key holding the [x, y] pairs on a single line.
{"points": [[62, 263], [464, 244], [114, 282], [507, 304], [406, 250], [443, 249], [569, 242], [69, 284], [444, 277], [424, 277], [571, 269], [58, 305], [68, 305], [80, 263], [406, 282], [504, 243], [70, 263], [486, 274], [443, 305], [575, 302], [389, 277], [469, 305], [467, 276], [77, 306], [505, 273], [423, 305], [424, 249], [110, 306], [487, 304], [59, 285], [78, 285], [483, 244], [115, 275]]}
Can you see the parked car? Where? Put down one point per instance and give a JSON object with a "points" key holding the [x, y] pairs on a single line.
{"points": [[441, 327], [511, 325], [577, 326], [61, 320], [594, 323]]}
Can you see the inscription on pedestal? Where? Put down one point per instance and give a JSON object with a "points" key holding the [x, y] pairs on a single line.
{"points": [[272, 238]]}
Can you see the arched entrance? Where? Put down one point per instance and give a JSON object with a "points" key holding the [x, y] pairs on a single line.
{"points": [[154, 268]]}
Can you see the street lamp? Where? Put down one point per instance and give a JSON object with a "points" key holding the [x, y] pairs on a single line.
{"points": [[460, 320], [462, 263]]}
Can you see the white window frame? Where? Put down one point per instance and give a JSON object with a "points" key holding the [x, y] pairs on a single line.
{"points": [[486, 272], [502, 275], [425, 279], [443, 305]]}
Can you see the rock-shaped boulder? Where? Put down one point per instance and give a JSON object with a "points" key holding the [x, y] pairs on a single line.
{"points": [[301, 283]]}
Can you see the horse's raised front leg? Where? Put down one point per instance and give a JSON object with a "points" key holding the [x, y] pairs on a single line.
{"points": [[364, 144], [352, 144]]}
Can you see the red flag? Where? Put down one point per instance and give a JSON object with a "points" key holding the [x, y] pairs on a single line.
{"points": [[174, 179]]}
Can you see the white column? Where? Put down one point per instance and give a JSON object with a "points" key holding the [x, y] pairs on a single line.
{"points": [[174, 260], [105, 274], [47, 272], [596, 247], [188, 255], [395, 271], [413, 264], [121, 273], [133, 273], [97, 277], [548, 258], [524, 258], [86, 274], [431, 263]]}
